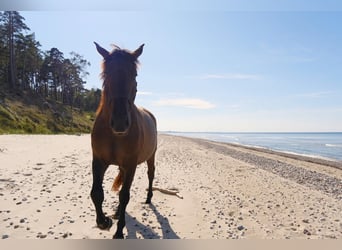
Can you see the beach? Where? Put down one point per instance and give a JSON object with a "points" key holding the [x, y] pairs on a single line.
{"points": [[225, 191]]}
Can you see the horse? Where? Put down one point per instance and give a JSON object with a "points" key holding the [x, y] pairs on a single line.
{"points": [[123, 134]]}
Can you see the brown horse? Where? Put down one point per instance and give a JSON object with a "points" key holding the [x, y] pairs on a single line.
{"points": [[123, 134]]}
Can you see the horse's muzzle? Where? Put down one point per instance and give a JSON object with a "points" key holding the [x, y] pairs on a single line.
{"points": [[120, 125], [121, 116]]}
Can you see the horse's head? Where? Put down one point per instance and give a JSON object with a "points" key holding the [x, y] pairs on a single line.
{"points": [[119, 86]]}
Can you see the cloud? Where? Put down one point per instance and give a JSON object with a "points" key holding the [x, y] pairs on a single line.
{"points": [[144, 93], [193, 103], [313, 95], [231, 76]]}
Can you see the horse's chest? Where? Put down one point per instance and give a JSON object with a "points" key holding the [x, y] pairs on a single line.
{"points": [[122, 153], [133, 149]]}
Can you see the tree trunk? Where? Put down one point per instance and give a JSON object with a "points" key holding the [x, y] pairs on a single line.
{"points": [[12, 78]]}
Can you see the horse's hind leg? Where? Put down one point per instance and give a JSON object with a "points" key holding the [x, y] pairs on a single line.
{"points": [[97, 195], [150, 173]]}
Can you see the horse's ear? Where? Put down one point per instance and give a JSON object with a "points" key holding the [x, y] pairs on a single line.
{"points": [[104, 53], [138, 51]]}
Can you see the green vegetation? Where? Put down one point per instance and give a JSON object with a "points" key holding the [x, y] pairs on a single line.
{"points": [[36, 116]]}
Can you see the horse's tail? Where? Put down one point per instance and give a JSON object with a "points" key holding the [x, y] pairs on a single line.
{"points": [[117, 182]]}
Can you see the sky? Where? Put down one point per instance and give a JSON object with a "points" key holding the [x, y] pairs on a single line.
{"points": [[219, 70]]}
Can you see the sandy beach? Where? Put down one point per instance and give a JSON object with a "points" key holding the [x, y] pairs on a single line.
{"points": [[225, 192]]}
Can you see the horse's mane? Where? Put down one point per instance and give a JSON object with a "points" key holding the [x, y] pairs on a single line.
{"points": [[116, 54]]}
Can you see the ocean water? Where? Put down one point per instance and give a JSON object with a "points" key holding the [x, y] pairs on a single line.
{"points": [[319, 145]]}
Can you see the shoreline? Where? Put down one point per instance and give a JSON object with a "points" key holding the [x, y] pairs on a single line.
{"points": [[288, 153], [309, 158], [225, 192], [276, 166]]}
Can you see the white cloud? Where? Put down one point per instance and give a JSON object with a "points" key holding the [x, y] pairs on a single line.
{"points": [[231, 76], [193, 103], [314, 94], [144, 93]]}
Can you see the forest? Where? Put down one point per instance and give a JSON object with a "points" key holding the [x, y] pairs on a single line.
{"points": [[26, 69]]}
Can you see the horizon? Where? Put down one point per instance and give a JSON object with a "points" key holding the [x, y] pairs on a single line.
{"points": [[238, 71], [250, 132]]}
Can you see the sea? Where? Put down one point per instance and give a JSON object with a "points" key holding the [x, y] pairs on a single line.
{"points": [[319, 145]]}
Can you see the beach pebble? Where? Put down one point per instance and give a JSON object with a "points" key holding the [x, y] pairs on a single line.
{"points": [[307, 232], [22, 220], [240, 228], [42, 236], [5, 236]]}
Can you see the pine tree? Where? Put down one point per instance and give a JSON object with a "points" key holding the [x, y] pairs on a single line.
{"points": [[29, 61], [51, 72], [12, 24]]}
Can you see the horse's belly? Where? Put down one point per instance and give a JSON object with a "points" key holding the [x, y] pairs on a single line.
{"points": [[148, 149]]}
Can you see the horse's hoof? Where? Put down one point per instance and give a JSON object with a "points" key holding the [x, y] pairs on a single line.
{"points": [[106, 225], [118, 236]]}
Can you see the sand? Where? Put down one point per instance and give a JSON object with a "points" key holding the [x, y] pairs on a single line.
{"points": [[225, 192]]}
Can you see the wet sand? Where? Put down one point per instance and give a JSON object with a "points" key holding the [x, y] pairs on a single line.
{"points": [[225, 192]]}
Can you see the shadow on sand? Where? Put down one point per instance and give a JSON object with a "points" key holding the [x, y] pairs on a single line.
{"points": [[135, 228]]}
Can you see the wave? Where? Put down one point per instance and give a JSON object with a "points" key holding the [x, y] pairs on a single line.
{"points": [[333, 145], [317, 145]]}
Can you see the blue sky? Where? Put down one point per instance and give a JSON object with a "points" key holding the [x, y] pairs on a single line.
{"points": [[213, 70]]}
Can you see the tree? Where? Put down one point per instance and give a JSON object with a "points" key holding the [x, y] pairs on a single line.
{"points": [[91, 99], [69, 76], [80, 64], [51, 71], [29, 60], [25, 69], [4, 59], [12, 25]]}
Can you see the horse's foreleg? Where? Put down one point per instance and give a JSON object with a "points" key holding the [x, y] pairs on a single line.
{"points": [[150, 173], [97, 195], [124, 196]]}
